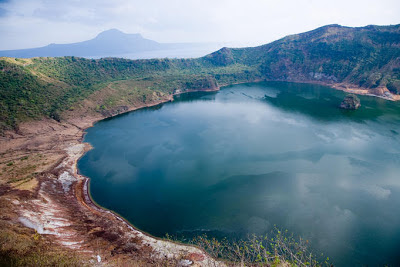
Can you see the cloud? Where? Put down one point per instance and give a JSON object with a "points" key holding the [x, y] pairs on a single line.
{"points": [[342, 215], [378, 192], [257, 225], [27, 23]]}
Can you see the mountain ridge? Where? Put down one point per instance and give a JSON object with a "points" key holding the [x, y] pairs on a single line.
{"points": [[367, 57], [108, 43], [362, 60]]}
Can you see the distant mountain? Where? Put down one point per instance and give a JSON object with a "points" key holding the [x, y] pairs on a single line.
{"points": [[110, 43]]}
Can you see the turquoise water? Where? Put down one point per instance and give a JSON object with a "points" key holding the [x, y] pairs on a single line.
{"points": [[252, 156]]}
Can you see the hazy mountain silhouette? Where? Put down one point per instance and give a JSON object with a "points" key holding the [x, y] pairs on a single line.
{"points": [[108, 43]]}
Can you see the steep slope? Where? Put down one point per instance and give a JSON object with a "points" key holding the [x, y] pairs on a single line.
{"points": [[359, 60], [366, 57], [45, 87]]}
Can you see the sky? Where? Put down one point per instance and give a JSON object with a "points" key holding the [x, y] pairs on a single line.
{"points": [[35, 23]]}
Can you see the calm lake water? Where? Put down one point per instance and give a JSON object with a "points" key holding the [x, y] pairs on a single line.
{"points": [[252, 156]]}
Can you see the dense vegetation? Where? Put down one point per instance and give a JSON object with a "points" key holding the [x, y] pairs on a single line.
{"points": [[47, 86], [24, 95], [276, 248], [367, 57]]}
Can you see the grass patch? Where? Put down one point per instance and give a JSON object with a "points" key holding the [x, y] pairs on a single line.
{"points": [[24, 249]]}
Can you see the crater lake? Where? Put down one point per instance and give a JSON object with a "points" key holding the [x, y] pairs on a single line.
{"points": [[243, 159]]}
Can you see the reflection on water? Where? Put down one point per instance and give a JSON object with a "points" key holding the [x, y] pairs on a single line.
{"points": [[252, 156]]}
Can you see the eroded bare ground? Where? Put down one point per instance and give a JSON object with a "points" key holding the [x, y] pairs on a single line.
{"points": [[42, 195], [381, 92]]}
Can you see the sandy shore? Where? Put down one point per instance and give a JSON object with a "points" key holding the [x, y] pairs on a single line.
{"points": [[380, 92]]}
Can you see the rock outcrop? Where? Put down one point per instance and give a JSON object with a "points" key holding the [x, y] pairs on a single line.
{"points": [[350, 102]]}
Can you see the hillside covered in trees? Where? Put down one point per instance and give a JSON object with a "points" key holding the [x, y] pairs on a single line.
{"points": [[366, 57]]}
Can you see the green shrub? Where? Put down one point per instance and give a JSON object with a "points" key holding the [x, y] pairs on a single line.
{"points": [[267, 250]]}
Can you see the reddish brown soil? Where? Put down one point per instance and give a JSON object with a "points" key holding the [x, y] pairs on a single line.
{"points": [[43, 191]]}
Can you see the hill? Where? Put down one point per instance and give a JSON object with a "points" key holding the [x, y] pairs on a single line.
{"points": [[359, 60], [366, 57]]}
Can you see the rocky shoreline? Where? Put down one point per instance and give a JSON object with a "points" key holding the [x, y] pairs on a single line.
{"points": [[161, 249], [58, 205]]}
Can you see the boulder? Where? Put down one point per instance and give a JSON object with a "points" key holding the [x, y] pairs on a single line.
{"points": [[350, 102]]}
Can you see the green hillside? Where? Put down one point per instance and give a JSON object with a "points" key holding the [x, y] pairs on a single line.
{"points": [[367, 57], [46, 86]]}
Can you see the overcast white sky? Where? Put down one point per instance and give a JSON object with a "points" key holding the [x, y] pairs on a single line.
{"points": [[33, 23]]}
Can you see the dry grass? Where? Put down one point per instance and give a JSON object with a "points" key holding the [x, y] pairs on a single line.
{"points": [[29, 185], [131, 93], [18, 61], [19, 168], [22, 247]]}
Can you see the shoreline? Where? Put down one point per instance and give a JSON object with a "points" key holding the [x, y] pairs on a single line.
{"points": [[61, 205], [379, 92], [86, 180], [87, 200], [58, 204]]}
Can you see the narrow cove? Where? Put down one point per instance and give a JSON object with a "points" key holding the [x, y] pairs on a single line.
{"points": [[248, 157]]}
